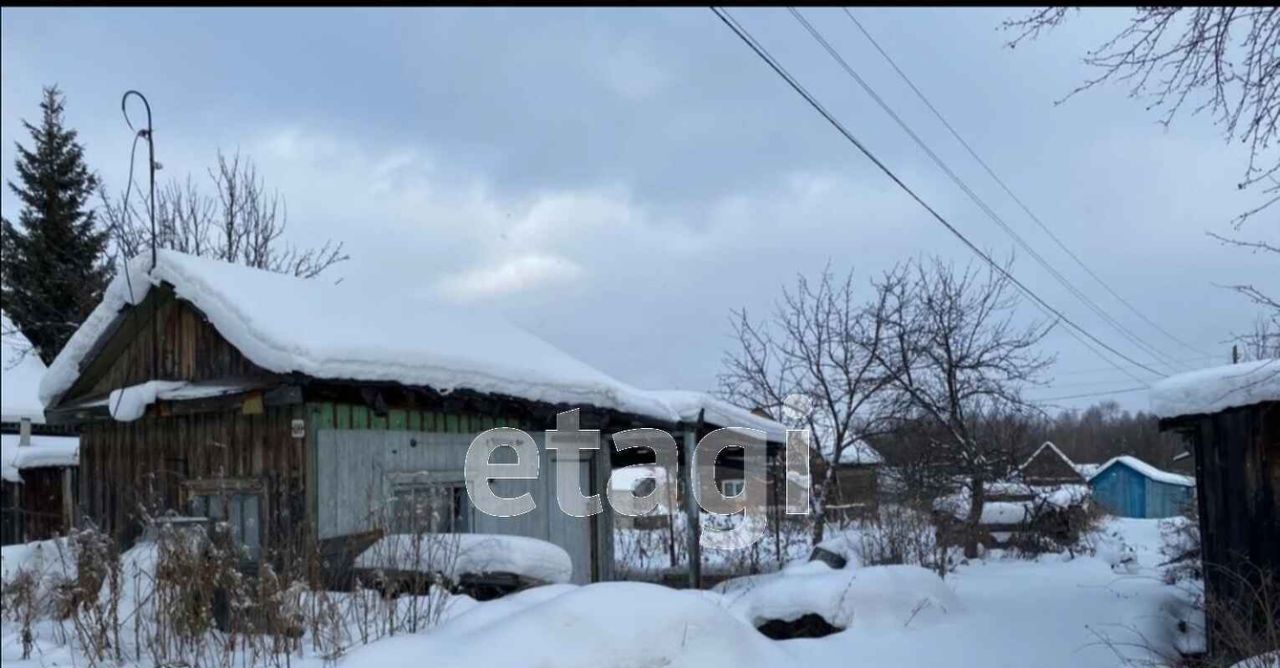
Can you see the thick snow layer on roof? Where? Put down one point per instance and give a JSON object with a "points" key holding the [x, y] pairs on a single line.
{"points": [[1146, 470], [20, 373], [687, 404], [1215, 389], [43, 451], [286, 324], [452, 555]]}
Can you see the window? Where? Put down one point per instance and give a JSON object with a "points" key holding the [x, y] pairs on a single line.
{"points": [[235, 504], [432, 507], [731, 487]]}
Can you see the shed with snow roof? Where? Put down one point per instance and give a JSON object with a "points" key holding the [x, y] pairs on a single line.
{"points": [[1126, 486], [299, 410], [1229, 417], [37, 460]]}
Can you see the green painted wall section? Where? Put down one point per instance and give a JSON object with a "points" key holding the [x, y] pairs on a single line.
{"points": [[330, 415]]}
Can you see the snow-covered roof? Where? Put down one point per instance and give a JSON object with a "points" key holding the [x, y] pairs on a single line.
{"points": [[286, 324], [20, 373], [1087, 470], [1217, 388], [687, 404], [859, 452], [1052, 448], [43, 451], [1159, 475]]}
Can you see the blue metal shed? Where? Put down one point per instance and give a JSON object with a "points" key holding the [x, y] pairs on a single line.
{"points": [[1129, 487]]}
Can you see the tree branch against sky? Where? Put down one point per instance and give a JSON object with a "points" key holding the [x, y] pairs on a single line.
{"points": [[1223, 60], [242, 222]]}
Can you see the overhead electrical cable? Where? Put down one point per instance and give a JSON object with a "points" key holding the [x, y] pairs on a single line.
{"points": [[1009, 191], [1073, 327], [981, 203]]}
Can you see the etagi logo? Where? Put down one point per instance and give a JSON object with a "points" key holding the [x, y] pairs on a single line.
{"points": [[569, 442]]}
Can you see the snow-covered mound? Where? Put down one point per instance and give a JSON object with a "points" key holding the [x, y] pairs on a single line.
{"points": [[46, 558], [1217, 388], [876, 596], [452, 555], [607, 624]]}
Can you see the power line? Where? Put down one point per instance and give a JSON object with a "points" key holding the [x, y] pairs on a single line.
{"points": [[795, 85], [1008, 191], [1089, 394], [991, 213]]}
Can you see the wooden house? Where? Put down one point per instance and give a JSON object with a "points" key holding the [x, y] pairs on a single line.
{"points": [[37, 460], [855, 482], [1230, 419], [298, 410], [1049, 466], [1126, 486]]}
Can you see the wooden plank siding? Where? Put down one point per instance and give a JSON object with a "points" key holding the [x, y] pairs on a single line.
{"points": [[1237, 456], [186, 345], [134, 469]]}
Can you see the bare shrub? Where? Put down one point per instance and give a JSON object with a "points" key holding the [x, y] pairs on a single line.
{"points": [[1243, 613], [899, 534]]}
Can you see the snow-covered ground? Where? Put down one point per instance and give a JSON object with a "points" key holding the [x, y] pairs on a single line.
{"points": [[1091, 610]]}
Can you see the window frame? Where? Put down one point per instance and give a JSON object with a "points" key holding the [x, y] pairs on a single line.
{"points": [[417, 482], [229, 490]]}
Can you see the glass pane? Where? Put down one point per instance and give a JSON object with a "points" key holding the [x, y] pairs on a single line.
{"points": [[250, 532]]}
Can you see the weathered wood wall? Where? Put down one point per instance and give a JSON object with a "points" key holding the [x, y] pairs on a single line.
{"points": [[1237, 454], [132, 469], [186, 345]]}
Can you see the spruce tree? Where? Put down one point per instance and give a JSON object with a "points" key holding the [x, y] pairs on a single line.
{"points": [[53, 267]]}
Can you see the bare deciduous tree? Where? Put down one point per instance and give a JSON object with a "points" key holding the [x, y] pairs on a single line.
{"points": [[1220, 59], [819, 348], [957, 363], [242, 222]]}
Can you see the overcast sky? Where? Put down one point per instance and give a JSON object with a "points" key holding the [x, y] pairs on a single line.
{"points": [[617, 180]]}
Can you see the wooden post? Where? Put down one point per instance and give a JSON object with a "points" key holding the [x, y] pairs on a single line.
{"points": [[692, 517]]}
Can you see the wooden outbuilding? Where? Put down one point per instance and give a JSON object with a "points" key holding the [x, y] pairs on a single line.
{"points": [[38, 461], [1230, 419]]}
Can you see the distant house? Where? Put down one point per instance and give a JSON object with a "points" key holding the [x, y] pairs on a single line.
{"points": [[299, 410], [1049, 466], [37, 460], [1229, 417], [1126, 486], [855, 482]]}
